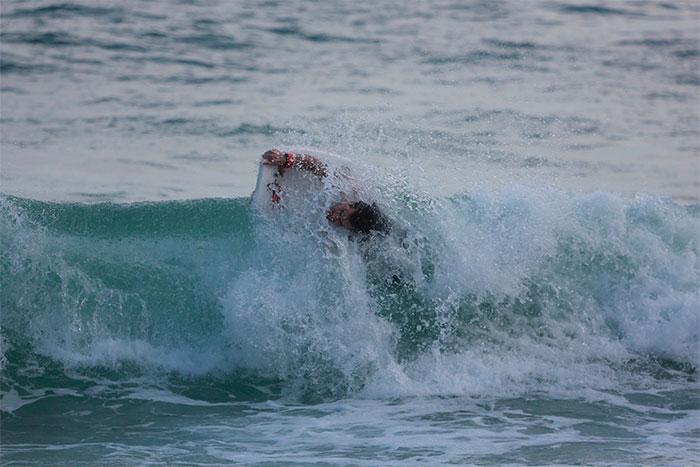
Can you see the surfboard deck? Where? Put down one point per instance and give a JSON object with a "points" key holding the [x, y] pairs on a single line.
{"points": [[273, 187], [268, 188]]}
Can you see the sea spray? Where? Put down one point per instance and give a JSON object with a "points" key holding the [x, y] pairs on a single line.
{"points": [[482, 292]]}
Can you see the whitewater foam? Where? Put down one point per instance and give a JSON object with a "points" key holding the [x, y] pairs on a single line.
{"points": [[484, 292]]}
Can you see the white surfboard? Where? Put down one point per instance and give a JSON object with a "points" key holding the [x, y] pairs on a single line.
{"points": [[266, 188], [274, 186]]}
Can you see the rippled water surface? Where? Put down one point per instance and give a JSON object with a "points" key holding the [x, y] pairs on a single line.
{"points": [[536, 301], [158, 100]]}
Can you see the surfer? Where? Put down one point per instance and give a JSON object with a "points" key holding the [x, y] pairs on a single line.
{"points": [[356, 216]]}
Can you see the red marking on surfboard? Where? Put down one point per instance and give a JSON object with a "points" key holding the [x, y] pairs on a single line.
{"points": [[276, 188]]}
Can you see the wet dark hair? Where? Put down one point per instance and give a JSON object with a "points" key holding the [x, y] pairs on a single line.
{"points": [[367, 218]]}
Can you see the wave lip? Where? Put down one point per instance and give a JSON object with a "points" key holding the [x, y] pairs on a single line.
{"points": [[481, 293]]}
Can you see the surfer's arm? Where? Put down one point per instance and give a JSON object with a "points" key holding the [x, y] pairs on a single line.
{"points": [[290, 159]]}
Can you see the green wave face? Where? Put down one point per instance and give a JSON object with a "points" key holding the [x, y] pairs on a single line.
{"points": [[202, 288], [75, 275]]}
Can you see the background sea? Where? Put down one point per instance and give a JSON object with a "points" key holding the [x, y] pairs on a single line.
{"points": [[536, 301]]}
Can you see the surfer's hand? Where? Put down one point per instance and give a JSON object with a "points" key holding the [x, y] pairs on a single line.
{"points": [[274, 157]]}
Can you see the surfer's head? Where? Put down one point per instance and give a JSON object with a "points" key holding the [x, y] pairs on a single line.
{"points": [[358, 217]]}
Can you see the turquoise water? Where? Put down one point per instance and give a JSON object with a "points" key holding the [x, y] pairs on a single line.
{"points": [[522, 327], [536, 301]]}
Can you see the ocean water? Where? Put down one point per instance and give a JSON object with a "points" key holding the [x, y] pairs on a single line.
{"points": [[536, 301]]}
